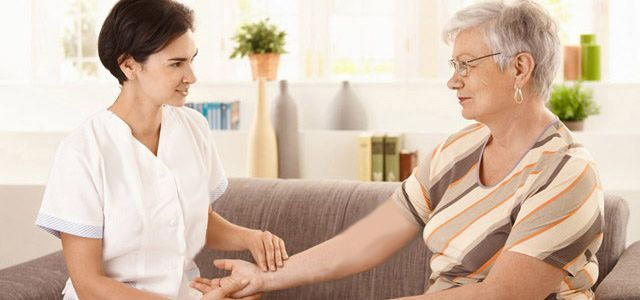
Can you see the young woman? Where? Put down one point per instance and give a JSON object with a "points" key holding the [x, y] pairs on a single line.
{"points": [[130, 190]]}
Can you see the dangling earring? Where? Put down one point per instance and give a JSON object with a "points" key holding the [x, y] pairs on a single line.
{"points": [[518, 96]]}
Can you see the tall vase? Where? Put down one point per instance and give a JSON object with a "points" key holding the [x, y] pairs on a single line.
{"points": [[346, 111], [285, 122], [262, 155], [590, 57]]}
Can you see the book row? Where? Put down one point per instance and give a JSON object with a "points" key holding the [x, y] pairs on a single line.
{"points": [[220, 115], [381, 157]]}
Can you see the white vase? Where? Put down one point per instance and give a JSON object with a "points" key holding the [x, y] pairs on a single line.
{"points": [[262, 155], [346, 112], [284, 115]]}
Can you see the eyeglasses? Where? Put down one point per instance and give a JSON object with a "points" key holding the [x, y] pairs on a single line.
{"points": [[462, 67]]}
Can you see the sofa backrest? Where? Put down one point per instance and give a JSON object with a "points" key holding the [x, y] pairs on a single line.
{"points": [[305, 213], [616, 217]]}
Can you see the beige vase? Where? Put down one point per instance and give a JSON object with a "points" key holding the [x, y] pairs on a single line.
{"points": [[262, 154]]}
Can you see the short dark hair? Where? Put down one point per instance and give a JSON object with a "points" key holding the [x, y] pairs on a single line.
{"points": [[139, 28]]}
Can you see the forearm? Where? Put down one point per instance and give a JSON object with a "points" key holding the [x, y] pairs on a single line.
{"points": [[103, 287], [361, 247], [224, 235]]}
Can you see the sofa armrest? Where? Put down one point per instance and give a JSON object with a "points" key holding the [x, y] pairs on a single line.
{"points": [[623, 282], [41, 278]]}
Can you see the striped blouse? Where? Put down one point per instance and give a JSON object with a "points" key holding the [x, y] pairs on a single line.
{"points": [[549, 206]]}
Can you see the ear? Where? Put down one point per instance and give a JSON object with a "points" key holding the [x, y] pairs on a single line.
{"points": [[524, 65], [129, 66]]}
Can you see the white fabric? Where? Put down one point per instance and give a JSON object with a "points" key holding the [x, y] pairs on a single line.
{"points": [[150, 212]]}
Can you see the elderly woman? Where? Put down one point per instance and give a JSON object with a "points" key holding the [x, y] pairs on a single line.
{"points": [[511, 207]]}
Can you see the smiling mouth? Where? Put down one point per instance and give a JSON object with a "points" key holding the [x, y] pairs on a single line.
{"points": [[463, 99], [184, 93]]}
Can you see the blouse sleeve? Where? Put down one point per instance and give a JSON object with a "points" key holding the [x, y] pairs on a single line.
{"points": [[217, 179], [71, 201], [412, 197], [562, 222]]}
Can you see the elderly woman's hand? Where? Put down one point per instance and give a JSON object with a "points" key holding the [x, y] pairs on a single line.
{"points": [[267, 249]]}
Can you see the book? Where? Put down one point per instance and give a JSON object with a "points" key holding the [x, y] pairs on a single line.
{"points": [[364, 157], [223, 116], [235, 115], [392, 146], [408, 162], [377, 157]]}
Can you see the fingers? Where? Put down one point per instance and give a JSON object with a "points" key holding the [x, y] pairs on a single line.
{"points": [[267, 241], [201, 284], [277, 252], [285, 255], [224, 264]]}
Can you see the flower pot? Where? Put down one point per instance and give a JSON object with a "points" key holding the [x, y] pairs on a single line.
{"points": [[574, 125], [264, 65]]}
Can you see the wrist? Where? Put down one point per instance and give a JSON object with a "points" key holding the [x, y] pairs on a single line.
{"points": [[246, 236]]}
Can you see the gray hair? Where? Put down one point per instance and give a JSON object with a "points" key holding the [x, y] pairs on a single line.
{"points": [[523, 26]]}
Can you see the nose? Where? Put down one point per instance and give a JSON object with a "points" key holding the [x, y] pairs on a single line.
{"points": [[190, 75], [455, 82]]}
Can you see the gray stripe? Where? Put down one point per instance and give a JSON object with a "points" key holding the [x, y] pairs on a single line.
{"points": [[482, 251], [553, 175], [545, 140], [554, 210], [410, 206], [459, 169], [565, 255], [446, 205]]}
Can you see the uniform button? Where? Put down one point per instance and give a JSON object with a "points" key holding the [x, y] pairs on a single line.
{"points": [[173, 222]]}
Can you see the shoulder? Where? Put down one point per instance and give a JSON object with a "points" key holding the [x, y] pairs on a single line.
{"points": [[85, 140], [469, 138], [190, 117]]}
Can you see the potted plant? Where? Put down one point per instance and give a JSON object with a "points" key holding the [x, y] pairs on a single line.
{"points": [[572, 104], [263, 43]]}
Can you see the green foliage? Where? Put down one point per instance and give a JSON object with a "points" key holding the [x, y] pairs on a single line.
{"points": [[260, 37], [572, 103]]}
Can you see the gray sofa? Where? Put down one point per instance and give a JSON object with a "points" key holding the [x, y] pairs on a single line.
{"points": [[307, 212]]}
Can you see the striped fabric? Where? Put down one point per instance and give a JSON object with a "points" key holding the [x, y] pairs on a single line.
{"points": [[219, 190], [549, 206], [55, 225]]}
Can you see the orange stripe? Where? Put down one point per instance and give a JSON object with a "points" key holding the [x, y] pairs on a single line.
{"points": [[424, 194], [486, 264], [476, 219], [478, 126], [433, 153], [570, 186], [554, 223], [591, 281], [567, 282], [463, 176], [477, 202]]}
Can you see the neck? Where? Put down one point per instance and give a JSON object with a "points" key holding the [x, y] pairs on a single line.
{"points": [[520, 126], [142, 116]]}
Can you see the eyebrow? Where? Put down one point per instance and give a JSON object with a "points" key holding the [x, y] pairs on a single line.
{"points": [[183, 58]]}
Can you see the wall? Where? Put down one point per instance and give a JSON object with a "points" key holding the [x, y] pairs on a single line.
{"points": [[33, 120]]}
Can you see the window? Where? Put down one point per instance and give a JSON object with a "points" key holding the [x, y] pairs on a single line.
{"points": [[326, 39]]}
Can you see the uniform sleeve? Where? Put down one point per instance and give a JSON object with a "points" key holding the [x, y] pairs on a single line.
{"points": [[412, 197], [217, 179], [562, 222], [71, 202]]}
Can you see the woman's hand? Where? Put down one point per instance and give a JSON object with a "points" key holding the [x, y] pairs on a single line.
{"points": [[267, 249], [240, 270], [221, 289]]}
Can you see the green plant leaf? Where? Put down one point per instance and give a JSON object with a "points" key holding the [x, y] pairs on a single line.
{"points": [[259, 37], [572, 102]]}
